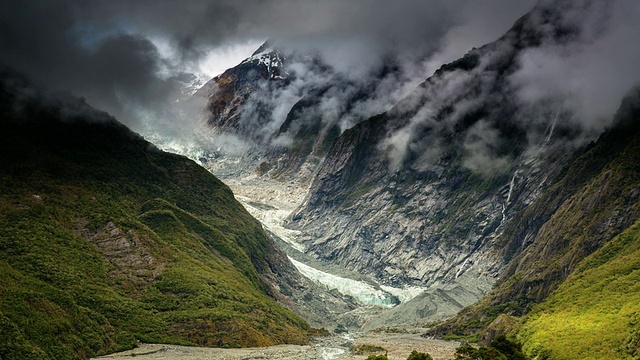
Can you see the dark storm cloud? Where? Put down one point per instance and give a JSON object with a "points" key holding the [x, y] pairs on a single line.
{"points": [[575, 81], [108, 50], [593, 72], [191, 26], [41, 39], [408, 24]]}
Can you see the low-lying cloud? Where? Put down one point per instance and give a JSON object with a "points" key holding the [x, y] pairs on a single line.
{"points": [[137, 60], [581, 63], [134, 58], [592, 72]]}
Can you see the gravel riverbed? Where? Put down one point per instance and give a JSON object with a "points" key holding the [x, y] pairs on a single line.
{"points": [[397, 345]]}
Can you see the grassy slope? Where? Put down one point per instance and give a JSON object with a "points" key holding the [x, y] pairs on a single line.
{"points": [[595, 314], [105, 240]]}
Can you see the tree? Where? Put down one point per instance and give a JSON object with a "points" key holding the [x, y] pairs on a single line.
{"points": [[419, 356], [467, 352], [491, 353], [512, 350], [500, 348], [377, 357]]}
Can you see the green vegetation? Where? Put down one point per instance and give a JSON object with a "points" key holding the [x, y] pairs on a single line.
{"points": [[500, 348], [315, 332], [106, 241], [595, 314], [473, 338], [468, 352], [415, 355], [396, 330], [377, 357], [366, 349]]}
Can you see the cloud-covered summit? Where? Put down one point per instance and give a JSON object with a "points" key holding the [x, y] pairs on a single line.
{"points": [[133, 58], [560, 72]]}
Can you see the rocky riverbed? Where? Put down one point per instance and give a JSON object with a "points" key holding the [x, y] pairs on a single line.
{"points": [[339, 347]]}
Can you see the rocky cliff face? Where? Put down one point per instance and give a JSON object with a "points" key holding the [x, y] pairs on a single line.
{"points": [[444, 188], [228, 94], [422, 193], [291, 107]]}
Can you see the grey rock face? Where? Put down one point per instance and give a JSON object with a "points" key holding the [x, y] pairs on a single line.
{"points": [[420, 194], [133, 264]]}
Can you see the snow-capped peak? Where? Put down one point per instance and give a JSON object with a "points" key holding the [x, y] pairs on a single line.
{"points": [[272, 59]]}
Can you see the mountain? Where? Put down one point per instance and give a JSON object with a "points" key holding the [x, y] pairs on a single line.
{"points": [[106, 240], [422, 193], [290, 107], [227, 93], [571, 252], [484, 197], [463, 187]]}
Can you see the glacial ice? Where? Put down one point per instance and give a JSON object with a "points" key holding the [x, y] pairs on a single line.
{"points": [[367, 294]]}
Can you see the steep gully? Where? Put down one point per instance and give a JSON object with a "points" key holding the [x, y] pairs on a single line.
{"points": [[271, 202]]}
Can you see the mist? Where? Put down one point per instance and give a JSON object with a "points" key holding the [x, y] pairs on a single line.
{"points": [[591, 73], [139, 60], [580, 65]]}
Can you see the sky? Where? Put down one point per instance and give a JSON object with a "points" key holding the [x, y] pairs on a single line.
{"points": [[573, 76], [140, 60], [134, 58]]}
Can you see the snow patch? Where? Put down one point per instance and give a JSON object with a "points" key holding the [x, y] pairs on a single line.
{"points": [[272, 60]]}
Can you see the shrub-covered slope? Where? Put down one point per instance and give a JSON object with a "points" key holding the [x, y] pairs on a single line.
{"points": [[105, 240], [595, 313]]}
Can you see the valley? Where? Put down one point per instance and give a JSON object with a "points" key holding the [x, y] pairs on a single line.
{"points": [[271, 202], [362, 183]]}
